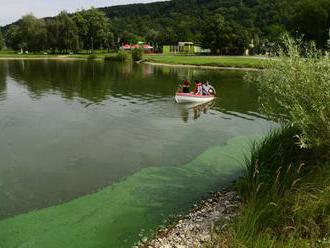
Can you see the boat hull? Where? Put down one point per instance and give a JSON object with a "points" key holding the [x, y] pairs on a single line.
{"points": [[191, 98]]}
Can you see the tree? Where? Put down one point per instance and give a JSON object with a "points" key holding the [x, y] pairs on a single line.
{"points": [[33, 33], [213, 33], [137, 54], [130, 38], [312, 19], [13, 37], [109, 41], [62, 34], [93, 28], [1, 41], [29, 34], [225, 37]]}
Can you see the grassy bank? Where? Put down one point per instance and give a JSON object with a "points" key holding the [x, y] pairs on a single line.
{"points": [[213, 61], [7, 54], [216, 61], [286, 188], [286, 194]]}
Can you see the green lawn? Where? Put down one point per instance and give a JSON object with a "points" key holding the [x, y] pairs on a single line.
{"points": [[219, 61]]}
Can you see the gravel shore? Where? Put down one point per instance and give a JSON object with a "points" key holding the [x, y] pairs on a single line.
{"points": [[194, 229]]}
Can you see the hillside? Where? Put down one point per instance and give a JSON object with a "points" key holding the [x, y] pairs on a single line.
{"points": [[225, 26], [169, 22], [262, 21]]}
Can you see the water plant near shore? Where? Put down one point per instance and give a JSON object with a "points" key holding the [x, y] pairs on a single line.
{"points": [[295, 87], [286, 197], [286, 187]]}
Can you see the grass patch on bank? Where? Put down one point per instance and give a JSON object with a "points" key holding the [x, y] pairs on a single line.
{"points": [[34, 55], [286, 187], [286, 196], [217, 61]]}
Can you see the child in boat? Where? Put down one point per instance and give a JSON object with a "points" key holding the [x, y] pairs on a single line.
{"points": [[199, 88], [186, 87]]}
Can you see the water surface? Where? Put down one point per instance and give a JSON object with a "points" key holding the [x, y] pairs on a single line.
{"points": [[70, 128]]}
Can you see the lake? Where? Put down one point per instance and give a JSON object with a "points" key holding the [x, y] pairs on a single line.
{"points": [[72, 128]]}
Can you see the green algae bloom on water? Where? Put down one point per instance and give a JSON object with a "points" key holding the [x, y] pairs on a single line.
{"points": [[114, 216]]}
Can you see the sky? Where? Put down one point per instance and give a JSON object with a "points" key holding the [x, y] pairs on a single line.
{"points": [[12, 10]]}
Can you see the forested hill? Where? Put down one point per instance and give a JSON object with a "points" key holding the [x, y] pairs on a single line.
{"points": [[237, 21], [187, 19], [225, 26]]}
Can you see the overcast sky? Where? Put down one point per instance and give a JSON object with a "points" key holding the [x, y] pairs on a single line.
{"points": [[12, 10]]}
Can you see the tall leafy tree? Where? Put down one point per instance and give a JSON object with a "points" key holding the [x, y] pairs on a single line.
{"points": [[213, 34], [33, 33], [13, 37], [29, 34], [62, 34], [109, 40], [312, 19], [93, 28]]}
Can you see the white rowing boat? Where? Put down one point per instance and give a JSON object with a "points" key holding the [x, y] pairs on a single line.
{"points": [[188, 97]]}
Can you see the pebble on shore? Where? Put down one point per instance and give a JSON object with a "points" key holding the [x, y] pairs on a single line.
{"points": [[194, 229]]}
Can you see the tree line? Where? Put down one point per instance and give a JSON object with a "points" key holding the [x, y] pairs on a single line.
{"points": [[86, 29], [225, 26]]}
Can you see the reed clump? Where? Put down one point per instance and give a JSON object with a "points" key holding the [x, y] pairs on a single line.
{"points": [[286, 186]]}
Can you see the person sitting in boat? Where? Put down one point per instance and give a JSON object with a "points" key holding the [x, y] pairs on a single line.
{"points": [[205, 88], [211, 89], [208, 89], [199, 89], [179, 88], [195, 88], [186, 87]]}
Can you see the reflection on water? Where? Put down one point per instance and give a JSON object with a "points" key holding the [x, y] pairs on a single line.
{"points": [[68, 128], [3, 74], [195, 109], [97, 81]]}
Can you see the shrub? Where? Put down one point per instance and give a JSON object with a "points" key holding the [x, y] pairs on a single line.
{"points": [[120, 56], [92, 56], [109, 58], [286, 189], [295, 86], [137, 54]]}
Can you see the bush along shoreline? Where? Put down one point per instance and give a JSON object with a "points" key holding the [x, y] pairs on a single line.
{"points": [[286, 188], [285, 192]]}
